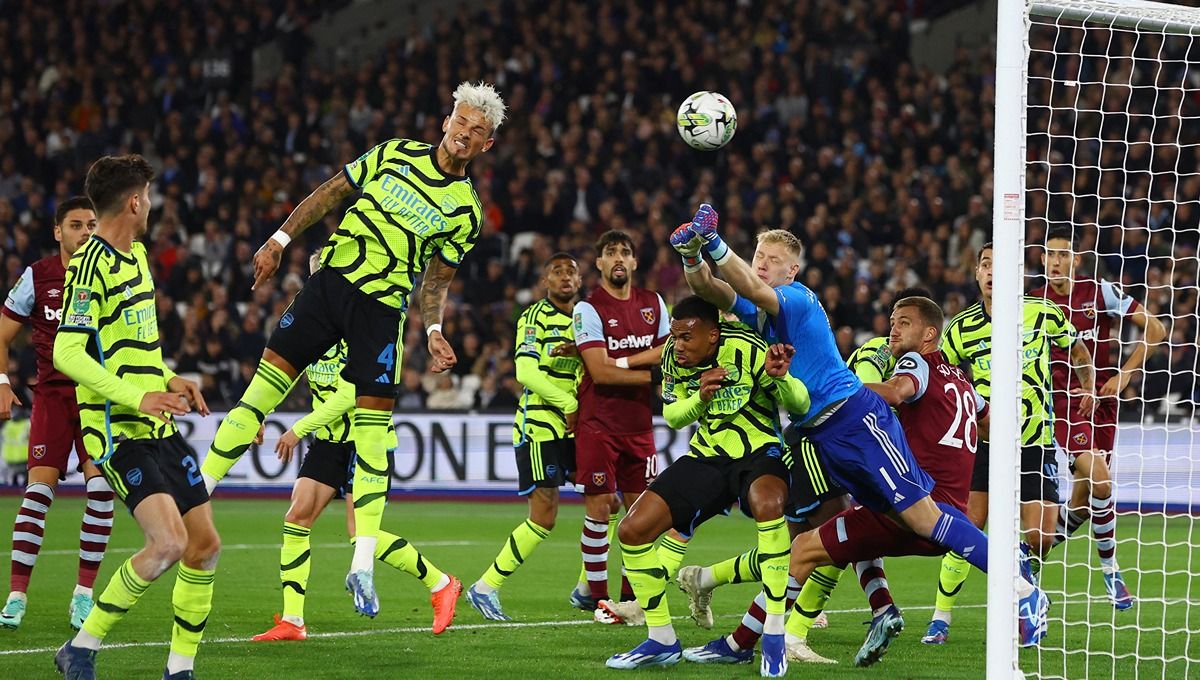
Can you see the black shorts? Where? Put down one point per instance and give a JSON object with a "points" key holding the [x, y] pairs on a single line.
{"points": [[811, 483], [546, 464], [697, 489], [332, 464], [142, 467], [1039, 472], [329, 309]]}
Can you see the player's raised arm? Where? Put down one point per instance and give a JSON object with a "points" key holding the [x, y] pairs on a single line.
{"points": [[734, 269], [697, 272], [434, 286], [310, 210]]}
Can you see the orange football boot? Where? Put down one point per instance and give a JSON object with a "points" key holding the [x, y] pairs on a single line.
{"points": [[443, 602], [282, 630]]}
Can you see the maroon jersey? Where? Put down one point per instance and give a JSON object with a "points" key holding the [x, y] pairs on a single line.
{"points": [[1091, 306], [37, 300], [623, 328], [940, 423]]}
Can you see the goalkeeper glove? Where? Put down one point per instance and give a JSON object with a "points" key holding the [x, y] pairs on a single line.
{"points": [[704, 224], [688, 245]]}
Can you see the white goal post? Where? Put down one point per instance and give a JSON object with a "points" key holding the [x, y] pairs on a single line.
{"points": [[1097, 129]]}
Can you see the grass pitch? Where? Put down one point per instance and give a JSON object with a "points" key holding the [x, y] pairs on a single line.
{"points": [[548, 639]]}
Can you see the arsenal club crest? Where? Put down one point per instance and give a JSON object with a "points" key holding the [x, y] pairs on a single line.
{"points": [[648, 315]]}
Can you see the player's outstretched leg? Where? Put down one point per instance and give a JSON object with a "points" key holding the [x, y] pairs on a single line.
{"points": [[699, 582], [444, 588], [28, 530], [237, 431], [93, 542]]}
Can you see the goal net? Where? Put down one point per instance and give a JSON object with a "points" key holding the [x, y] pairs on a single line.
{"points": [[1106, 152]]}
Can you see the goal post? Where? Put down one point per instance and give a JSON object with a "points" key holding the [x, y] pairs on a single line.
{"points": [[1097, 135]]}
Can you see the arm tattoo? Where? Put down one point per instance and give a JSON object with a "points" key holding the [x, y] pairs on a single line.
{"points": [[317, 205], [434, 286]]}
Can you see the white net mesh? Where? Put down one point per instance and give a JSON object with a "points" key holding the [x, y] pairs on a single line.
{"points": [[1113, 163]]}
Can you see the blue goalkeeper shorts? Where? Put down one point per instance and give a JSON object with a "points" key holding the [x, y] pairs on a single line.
{"points": [[866, 452]]}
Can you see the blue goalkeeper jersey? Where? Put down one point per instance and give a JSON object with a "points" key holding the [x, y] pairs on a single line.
{"points": [[803, 324]]}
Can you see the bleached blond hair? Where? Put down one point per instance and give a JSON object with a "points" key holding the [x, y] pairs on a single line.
{"points": [[785, 238], [484, 98]]}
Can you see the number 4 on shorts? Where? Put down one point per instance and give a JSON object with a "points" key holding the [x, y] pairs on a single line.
{"points": [[387, 359]]}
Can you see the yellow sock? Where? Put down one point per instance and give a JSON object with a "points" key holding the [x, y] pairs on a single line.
{"points": [[520, 544], [192, 599], [294, 566]]}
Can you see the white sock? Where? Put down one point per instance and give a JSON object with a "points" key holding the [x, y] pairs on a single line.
{"points": [[177, 663], [364, 554], [1024, 588], [480, 587], [442, 583], [14, 595], [732, 643], [663, 634], [773, 625], [210, 482], [297, 621], [939, 615], [84, 590], [85, 640], [789, 640], [707, 581]]}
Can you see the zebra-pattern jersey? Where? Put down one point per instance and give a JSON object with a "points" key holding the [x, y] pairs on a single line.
{"points": [[108, 299], [408, 210], [540, 329], [742, 417], [324, 377], [967, 343], [872, 362]]}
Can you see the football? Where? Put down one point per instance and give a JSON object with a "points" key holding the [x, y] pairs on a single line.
{"points": [[706, 121]]}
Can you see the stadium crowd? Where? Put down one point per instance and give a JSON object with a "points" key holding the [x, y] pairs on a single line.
{"points": [[882, 168]]}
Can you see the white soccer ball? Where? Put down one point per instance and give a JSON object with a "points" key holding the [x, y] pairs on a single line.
{"points": [[706, 121]]}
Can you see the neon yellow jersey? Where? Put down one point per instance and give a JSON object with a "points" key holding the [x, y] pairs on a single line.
{"points": [[408, 210]]}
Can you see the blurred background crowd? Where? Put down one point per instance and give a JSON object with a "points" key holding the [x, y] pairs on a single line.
{"points": [[883, 168]]}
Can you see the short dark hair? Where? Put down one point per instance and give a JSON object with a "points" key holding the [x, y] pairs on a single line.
{"points": [[560, 255], [696, 307], [72, 203], [1064, 232], [614, 236], [930, 312], [915, 291], [112, 178], [979, 255]]}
